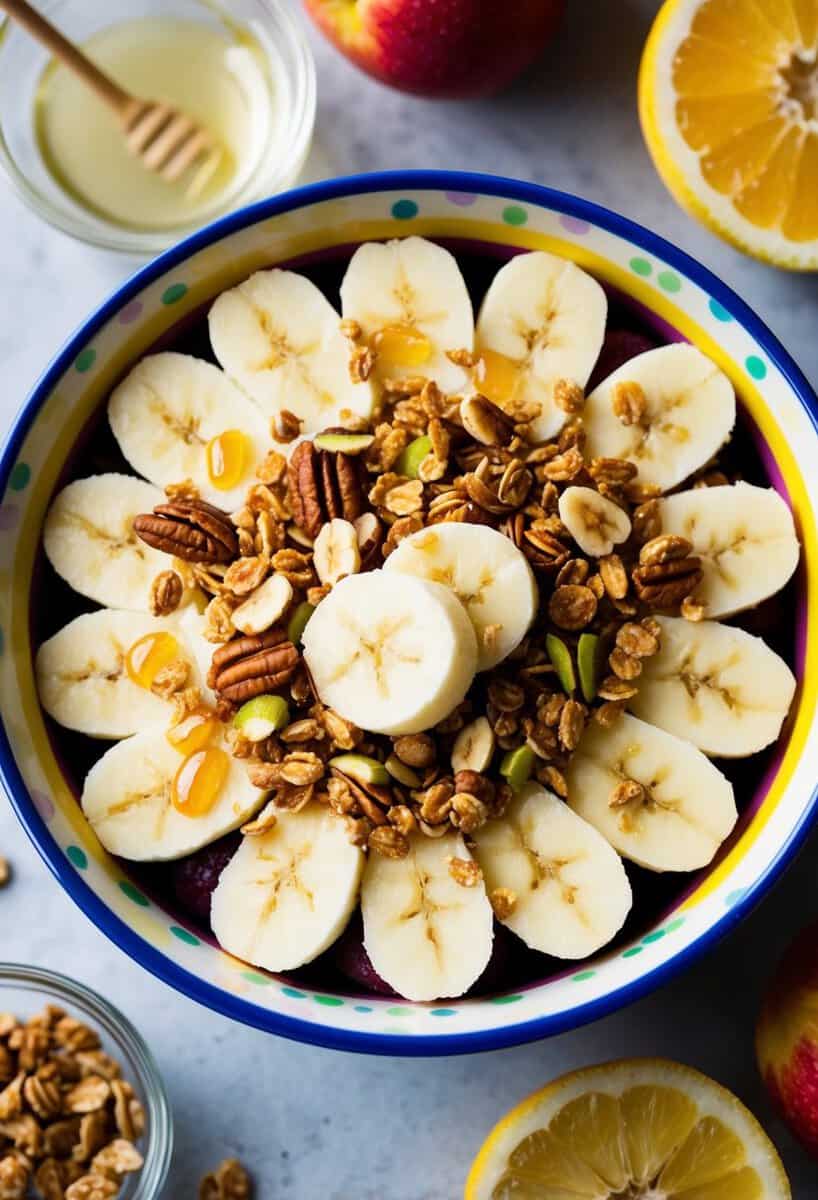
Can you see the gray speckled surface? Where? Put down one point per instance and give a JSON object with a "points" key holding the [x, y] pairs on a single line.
{"points": [[317, 1125]]}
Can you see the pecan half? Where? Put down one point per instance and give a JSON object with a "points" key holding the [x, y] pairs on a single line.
{"points": [[189, 529], [323, 484], [666, 584], [251, 666]]}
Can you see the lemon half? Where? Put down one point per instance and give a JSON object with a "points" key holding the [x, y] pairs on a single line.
{"points": [[641, 1129], [728, 99]]}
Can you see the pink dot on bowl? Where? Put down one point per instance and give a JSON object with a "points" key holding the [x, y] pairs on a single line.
{"points": [[43, 804], [574, 225], [9, 516], [461, 199], [131, 312]]}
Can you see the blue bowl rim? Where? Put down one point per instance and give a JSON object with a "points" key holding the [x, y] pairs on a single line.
{"points": [[236, 1007]]}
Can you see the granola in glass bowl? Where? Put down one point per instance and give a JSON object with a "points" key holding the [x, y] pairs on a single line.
{"points": [[438, 626]]}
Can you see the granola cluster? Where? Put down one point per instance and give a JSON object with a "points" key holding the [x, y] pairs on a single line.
{"points": [[68, 1120], [426, 458]]}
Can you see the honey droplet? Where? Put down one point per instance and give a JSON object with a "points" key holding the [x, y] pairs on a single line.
{"points": [[496, 376], [149, 655], [227, 457], [401, 346], [199, 781], [194, 732]]}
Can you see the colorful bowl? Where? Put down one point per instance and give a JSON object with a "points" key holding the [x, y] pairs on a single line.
{"points": [[685, 301]]}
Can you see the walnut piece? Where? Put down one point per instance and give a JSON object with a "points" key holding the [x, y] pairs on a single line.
{"points": [[166, 593]]}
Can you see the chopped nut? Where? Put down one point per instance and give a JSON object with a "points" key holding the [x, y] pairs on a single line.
{"points": [[568, 396], [219, 627], [647, 521], [691, 609], [229, 1181], [503, 901], [5, 871], [615, 472], [402, 817], [119, 1157], [571, 724], [93, 1133], [246, 574], [624, 666], [42, 1096], [665, 548], [564, 467], [166, 593], [60, 1137], [637, 640], [389, 841], [553, 778], [629, 402], [92, 1187], [75, 1036], [286, 427], [416, 749], [88, 1095], [613, 688], [572, 606], [464, 871], [614, 576], [262, 823], [14, 1175], [468, 812], [171, 678], [361, 363], [627, 792], [11, 1098], [436, 802], [48, 1179]]}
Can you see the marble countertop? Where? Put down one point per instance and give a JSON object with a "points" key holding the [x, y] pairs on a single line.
{"points": [[315, 1124]]}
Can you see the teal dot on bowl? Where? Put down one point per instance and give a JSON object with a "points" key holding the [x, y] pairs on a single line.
{"points": [[404, 210], [254, 977], [329, 1001], [581, 976], [669, 282], [755, 366], [133, 893], [656, 936], [505, 999], [399, 1011], [20, 476], [632, 952], [640, 266], [85, 359], [443, 1012], [732, 898], [184, 936], [514, 215], [719, 311], [674, 925], [78, 858], [174, 293], [293, 993], [362, 1008]]}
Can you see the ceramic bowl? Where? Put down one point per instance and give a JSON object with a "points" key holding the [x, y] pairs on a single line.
{"points": [[683, 301]]}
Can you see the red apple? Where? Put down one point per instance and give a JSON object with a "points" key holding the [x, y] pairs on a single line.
{"points": [[787, 1038], [446, 48]]}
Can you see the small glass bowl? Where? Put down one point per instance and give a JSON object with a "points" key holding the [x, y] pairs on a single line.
{"points": [[25, 991], [22, 61]]}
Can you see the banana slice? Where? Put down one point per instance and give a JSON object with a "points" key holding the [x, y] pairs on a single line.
{"points": [[689, 410], [412, 304], [128, 799], [392, 653], [572, 893], [83, 681], [720, 688], [745, 537], [176, 417], [676, 818], [427, 935], [486, 572], [287, 895], [89, 539], [279, 337], [542, 319], [594, 522]]}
